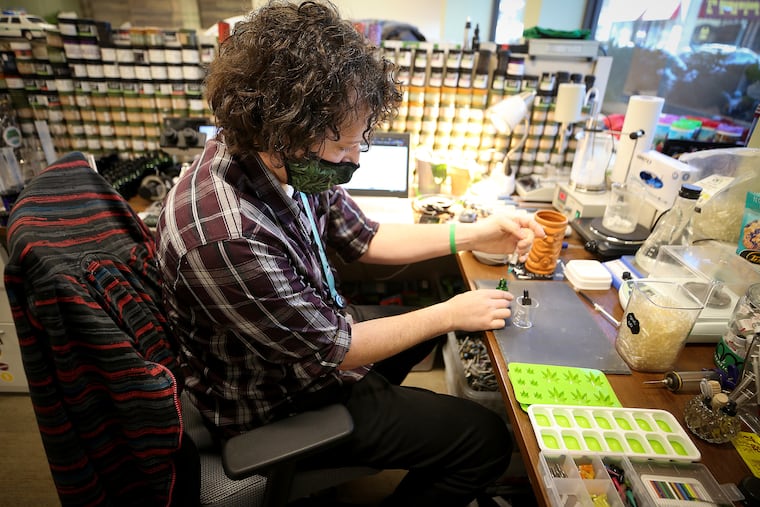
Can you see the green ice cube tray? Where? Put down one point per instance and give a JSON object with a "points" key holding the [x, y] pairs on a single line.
{"points": [[644, 433]]}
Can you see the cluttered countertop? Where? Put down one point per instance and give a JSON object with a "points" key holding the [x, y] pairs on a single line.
{"points": [[722, 462]]}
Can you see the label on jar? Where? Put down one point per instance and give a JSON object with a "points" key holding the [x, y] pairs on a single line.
{"points": [[710, 186], [726, 358]]}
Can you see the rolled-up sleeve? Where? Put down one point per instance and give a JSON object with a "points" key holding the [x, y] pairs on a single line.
{"points": [[349, 230]]}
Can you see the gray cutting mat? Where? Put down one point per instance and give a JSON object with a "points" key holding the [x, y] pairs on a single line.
{"points": [[563, 332]]}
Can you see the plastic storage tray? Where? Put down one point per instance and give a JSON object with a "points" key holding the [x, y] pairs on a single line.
{"points": [[652, 483], [634, 432], [457, 385]]}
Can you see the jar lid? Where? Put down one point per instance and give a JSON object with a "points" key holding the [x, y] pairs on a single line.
{"points": [[753, 295], [709, 388], [687, 124], [689, 191], [719, 401], [725, 128], [667, 119], [713, 124]]}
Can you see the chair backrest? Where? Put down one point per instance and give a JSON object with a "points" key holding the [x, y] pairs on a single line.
{"points": [[99, 359]]}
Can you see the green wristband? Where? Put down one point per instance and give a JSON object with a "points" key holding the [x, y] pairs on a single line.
{"points": [[452, 238]]}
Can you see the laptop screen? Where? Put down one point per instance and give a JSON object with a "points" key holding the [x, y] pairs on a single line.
{"points": [[209, 130], [384, 169]]}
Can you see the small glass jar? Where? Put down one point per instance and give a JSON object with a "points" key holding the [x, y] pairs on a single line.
{"points": [[716, 426]]}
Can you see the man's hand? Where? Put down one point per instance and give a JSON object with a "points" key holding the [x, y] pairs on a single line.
{"points": [[479, 310], [499, 234]]}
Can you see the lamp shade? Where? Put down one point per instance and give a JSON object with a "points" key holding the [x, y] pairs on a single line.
{"points": [[508, 113]]}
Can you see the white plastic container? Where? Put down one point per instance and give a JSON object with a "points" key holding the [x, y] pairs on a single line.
{"points": [[588, 275], [647, 481]]}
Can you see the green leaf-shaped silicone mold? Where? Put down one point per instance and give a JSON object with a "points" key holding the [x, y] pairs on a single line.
{"points": [[561, 385]]}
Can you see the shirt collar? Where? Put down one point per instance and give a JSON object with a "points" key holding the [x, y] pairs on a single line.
{"points": [[263, 184]]}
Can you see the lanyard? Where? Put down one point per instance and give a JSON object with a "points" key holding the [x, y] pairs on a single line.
{"points": [[322, 257]]}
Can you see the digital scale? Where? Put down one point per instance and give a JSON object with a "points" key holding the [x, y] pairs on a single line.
{"points": [[537, 188], [712, 320], [574, 203]]}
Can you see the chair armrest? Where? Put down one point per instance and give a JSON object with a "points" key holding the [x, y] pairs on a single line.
{"points": [[287, 439]]}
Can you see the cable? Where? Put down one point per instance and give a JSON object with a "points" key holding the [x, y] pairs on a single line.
{"points": [[393, 275]]}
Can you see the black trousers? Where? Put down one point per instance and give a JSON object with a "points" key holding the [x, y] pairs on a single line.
{"points": [[452, 447]]}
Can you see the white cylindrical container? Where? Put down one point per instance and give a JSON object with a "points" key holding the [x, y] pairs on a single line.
{"points": [[570, 98]]}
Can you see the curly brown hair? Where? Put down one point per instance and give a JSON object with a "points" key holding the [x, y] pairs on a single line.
{"points": [[290, 75]]}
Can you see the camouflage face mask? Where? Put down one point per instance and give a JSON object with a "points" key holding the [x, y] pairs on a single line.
{"points": [[312, 176]]}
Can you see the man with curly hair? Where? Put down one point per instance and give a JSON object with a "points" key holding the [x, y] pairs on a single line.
{"points": [[263, 331]]}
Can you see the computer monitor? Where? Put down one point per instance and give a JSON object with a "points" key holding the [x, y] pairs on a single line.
{"points": [[209, 131], [384, 168]]}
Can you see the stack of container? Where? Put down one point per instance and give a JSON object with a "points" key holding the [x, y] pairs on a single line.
{"points": [[103, 90], [446, 93], [30, 86]]}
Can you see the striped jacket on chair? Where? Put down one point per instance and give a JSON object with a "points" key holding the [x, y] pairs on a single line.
{"points": [[98, 356]]}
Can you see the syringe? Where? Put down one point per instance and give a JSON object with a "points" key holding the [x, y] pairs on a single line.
{"points": [[685, 380]]}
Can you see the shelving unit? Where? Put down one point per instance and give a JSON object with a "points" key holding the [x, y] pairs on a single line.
{"points": [[101, 90]]}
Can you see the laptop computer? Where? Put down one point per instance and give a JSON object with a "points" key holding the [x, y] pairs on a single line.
{"points": [[381, 185], [384, 168]]}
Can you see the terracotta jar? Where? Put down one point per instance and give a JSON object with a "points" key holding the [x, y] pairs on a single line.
{"points": [[543, 255]]}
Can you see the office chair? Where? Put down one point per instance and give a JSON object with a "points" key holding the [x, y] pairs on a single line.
{"points": [[103, 370]]}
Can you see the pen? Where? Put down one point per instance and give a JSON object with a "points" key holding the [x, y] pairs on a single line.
{"points": [[607, 315]]}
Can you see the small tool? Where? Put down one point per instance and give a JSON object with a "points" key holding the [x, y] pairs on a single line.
{"points": [[607, 315], [689, 380]]}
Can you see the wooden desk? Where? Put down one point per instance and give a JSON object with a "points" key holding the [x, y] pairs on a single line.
{"points": [[723, 460]]}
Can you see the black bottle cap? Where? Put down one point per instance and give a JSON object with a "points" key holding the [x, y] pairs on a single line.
{"points": [[484, 61], [689, 191]]}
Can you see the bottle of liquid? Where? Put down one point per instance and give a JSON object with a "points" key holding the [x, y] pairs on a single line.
{"points": [[673, 227]]}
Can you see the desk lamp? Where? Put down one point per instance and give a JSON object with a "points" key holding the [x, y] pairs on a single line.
{"points": [[505, 116]]}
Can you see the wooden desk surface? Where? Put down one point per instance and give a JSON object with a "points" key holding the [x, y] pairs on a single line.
{"points": [[723, 460]]}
